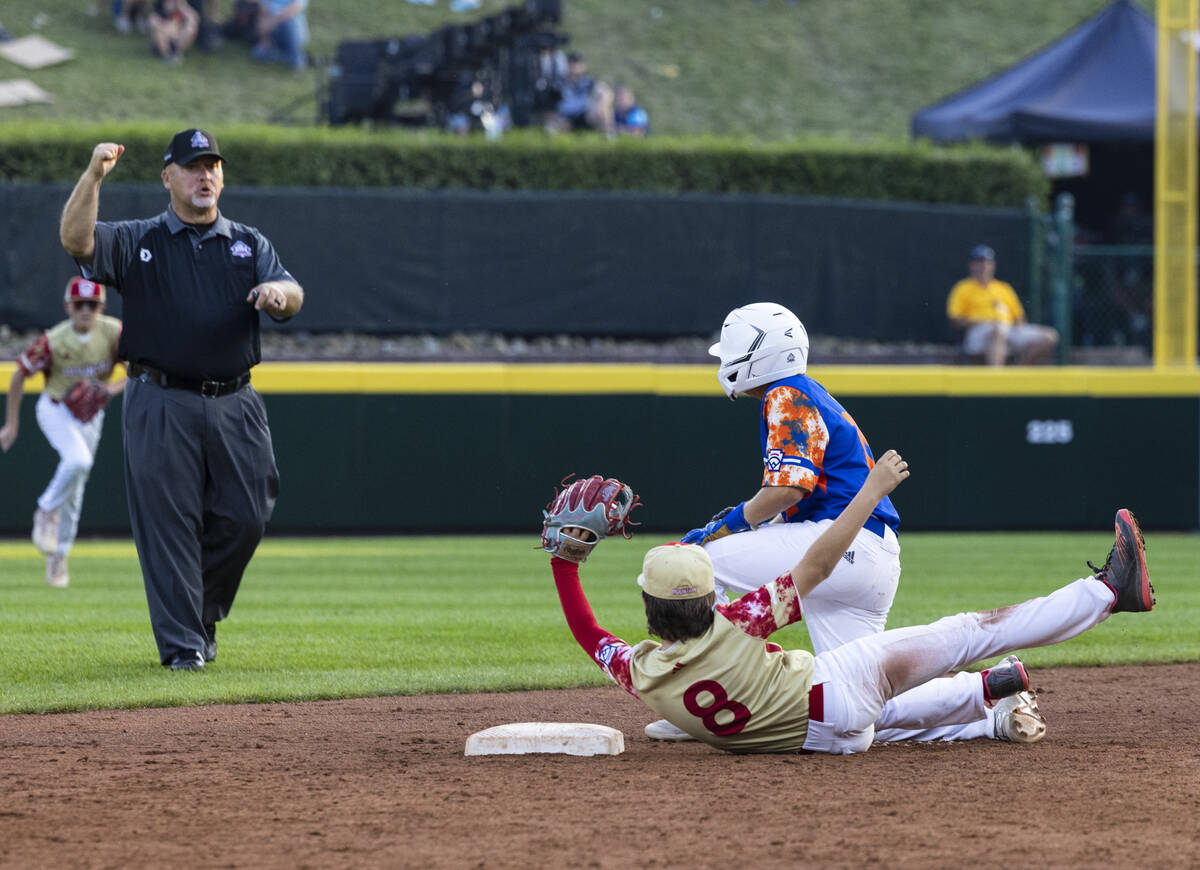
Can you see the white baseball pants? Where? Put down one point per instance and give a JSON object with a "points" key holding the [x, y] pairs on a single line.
{"points": [[852, 603], [859, 677], [76, 445]]}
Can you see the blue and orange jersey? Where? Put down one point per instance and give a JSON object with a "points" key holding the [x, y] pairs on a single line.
{"points": [[809, 440]]}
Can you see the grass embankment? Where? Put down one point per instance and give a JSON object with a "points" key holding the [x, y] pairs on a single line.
{"points": [[771, 70]]}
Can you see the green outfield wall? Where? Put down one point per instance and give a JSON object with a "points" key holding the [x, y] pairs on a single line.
{"points": [[413, 447], [398, 261]]}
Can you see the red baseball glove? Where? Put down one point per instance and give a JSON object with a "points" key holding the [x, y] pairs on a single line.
{"points": [[85, 400], [583, 513]]}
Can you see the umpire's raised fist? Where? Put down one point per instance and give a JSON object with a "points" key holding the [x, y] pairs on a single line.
{"points": [[104, 158]]}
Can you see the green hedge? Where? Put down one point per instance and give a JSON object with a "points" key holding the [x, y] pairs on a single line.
{"points": [[530, 160]]}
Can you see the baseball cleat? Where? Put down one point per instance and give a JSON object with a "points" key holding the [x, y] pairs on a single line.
{"points": [[187, 661], [1004, 679], [1018, 719], [56, 572], [45, 531], [1125, 571], [664, 730]]}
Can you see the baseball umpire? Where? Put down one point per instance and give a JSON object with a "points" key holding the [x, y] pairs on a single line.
{"points": [[78, 357], [199, 465], [715, 676]]}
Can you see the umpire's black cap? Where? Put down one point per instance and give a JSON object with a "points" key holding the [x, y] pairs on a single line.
{"points": [[189, 144], [982, 252]]}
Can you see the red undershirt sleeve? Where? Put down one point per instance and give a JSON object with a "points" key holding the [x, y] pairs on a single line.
{"points": [[576, 608], [613, 655]]}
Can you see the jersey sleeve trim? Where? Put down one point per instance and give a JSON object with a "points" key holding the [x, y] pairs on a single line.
{"points": [[767, 609]]}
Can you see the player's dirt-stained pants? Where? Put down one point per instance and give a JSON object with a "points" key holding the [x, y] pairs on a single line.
{"points": [[858, 678], [852, 603], [75, 443]]}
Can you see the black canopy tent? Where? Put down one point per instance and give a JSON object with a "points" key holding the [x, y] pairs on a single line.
{"points": [[1095, 86]]}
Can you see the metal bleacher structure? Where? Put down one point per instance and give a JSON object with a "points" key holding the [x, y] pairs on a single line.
{"points": [[421, 80]]}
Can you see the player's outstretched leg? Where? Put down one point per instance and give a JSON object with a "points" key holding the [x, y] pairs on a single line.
{"points": [[862, 675]]}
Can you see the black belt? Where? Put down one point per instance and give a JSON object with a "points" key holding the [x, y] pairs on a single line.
{"points": [[208, 389]]}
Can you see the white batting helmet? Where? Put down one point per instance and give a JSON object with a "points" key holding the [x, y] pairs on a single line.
{"points": [[760, 344]]}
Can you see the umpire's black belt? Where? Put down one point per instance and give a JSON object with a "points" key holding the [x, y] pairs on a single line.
{"points": [[209, 389]]}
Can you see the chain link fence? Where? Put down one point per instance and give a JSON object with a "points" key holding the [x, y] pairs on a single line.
{"points": [[1099, 297], [1112, 298]]}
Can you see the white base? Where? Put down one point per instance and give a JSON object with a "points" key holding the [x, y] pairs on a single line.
{"points": [[568, 738]]}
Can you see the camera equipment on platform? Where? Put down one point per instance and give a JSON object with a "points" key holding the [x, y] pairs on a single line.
{"points": [[461, 76]]}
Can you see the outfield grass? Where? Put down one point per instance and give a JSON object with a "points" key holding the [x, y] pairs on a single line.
{"points": [[349, 617], [771, 70]]}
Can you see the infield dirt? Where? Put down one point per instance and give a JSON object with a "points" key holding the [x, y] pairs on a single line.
{"points": [[383, 782]]}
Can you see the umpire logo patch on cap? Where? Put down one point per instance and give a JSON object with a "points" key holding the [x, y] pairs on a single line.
{"points": [[199, 140]]}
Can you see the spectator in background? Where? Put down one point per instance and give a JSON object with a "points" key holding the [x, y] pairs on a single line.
{"points": [[130, 15], [282, 33], [551, 73], [629, 118], [584, 104], [174, 26], [209, 37], [242, 25], [991, 318]]}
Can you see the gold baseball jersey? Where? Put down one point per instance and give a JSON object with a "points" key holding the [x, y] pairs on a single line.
{"points": [[65, 357], [730, 687], [996, 300]]}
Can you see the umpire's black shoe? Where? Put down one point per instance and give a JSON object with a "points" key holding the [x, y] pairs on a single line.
{"points": [[210, 641], [189, 660], [1125, 571], [1008, 677]]}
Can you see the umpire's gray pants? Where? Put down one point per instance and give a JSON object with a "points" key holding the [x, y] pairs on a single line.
{"points": [[201, 481]]}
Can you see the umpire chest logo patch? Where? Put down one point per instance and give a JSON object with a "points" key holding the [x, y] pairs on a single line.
{"points": [[241, 249], [144, 255], [774, 460]]}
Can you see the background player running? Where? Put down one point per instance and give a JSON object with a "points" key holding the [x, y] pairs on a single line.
{"points": [[81, 348], [715, 676]]}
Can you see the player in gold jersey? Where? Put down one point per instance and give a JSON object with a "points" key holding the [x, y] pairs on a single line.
{"points": [[714, 674], [81, 348]]}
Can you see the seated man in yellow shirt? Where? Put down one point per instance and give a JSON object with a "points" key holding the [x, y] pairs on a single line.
{"points": [[991, 317]]}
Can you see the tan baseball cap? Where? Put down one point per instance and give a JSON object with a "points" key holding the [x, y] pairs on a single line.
{"points": [[676, 572]]}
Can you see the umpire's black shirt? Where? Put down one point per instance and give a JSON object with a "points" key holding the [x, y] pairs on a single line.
{"points": [[185, 310]]}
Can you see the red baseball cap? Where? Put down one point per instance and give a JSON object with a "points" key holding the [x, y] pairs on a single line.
{"points": [[83, 289]]}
